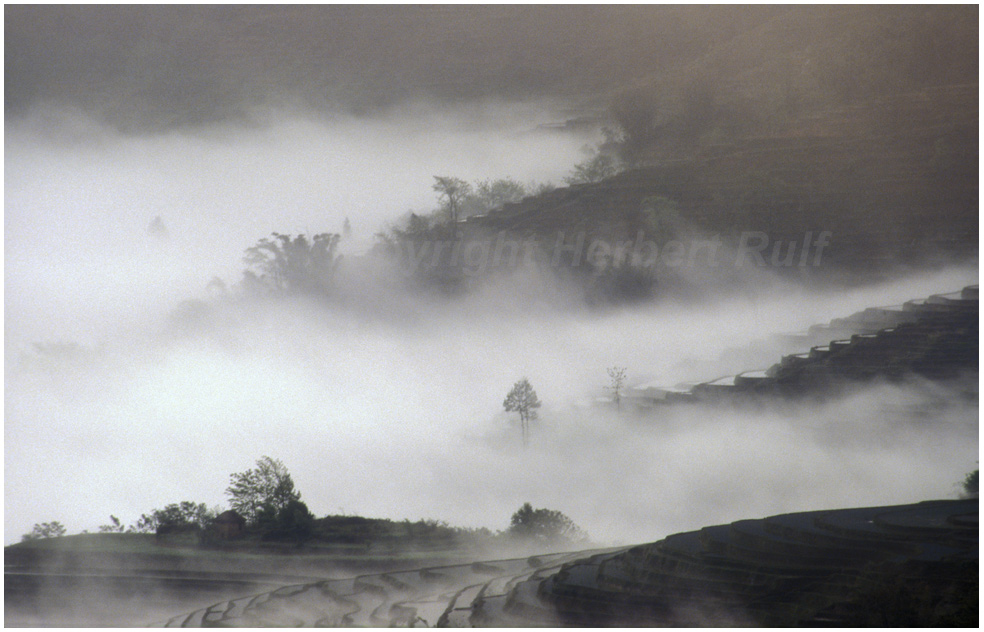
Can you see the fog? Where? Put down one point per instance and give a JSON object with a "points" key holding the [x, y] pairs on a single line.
{"points": [[382, 403], [79, 197]]}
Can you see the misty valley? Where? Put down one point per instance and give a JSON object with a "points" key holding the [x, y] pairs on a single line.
{"points": [[684, 332]]}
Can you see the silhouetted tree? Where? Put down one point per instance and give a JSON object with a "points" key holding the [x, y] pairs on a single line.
{"points": [[595, 169], [451, 192], [492, 194], [523, 400], [114, 526], [544, 525], [53, 529], [295, 264], [183, 514], [971, 484], [617, 376], [269, 483], [295, 522]]}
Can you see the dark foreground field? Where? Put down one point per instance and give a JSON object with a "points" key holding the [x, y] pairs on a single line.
{"points": [[131, 580], [904, 565]]}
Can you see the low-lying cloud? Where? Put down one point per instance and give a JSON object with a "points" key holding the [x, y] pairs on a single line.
{"points": [[79, 197], [402, 417], [122, 396]]}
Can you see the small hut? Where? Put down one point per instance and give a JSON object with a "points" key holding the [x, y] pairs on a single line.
{"points": [[229, 525]]}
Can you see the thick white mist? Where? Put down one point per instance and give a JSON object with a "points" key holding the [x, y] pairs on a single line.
{"points": [[402, 417], [79, 198], [382, 404]]}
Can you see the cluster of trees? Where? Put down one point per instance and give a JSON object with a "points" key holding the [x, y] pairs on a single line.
{"points": [[522, 399], [270, 504], [267, 486], [267, 498], [287, 264], [294, 265], [458, 199], [428, 246], [595, 169], [605, 161], [185, 515], [266, 494], [427, 242], [44, 530]]}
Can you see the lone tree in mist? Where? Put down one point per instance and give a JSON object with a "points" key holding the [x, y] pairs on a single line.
{"points": [[451, 192], [269, 484], [617, 376], [522, 399]]}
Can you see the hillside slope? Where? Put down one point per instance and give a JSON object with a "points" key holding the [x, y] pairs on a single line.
{"points": [[893, 180], [881, 566]]}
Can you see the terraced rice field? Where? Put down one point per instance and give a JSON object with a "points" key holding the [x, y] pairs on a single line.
{"points": [[812, 568]]}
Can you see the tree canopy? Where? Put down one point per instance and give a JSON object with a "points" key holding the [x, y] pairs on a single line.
{"points": [[595, 169], [492, 194], [183, 514], [292, 522], [451, 193], [544, 525], [53, 529], [294, 264], [971, 484], [268, 484], [523, 400]]}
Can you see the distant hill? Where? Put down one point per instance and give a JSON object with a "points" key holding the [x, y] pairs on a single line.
{"points": [[892, 178]]}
